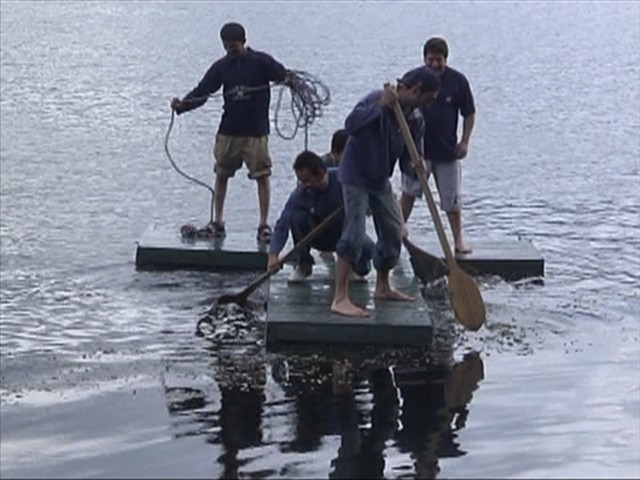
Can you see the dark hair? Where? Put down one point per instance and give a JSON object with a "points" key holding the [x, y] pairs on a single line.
{"points": [[339, 140], [311, 161], [437, 45], [428, 80], [232, 32]]}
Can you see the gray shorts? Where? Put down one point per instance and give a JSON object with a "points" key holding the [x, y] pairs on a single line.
{"points": [[448, 178]]}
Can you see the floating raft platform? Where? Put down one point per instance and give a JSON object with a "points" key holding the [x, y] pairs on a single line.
{"points": [[164, 248], [300, 313]]}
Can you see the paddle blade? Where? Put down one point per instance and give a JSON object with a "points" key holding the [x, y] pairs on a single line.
{"points": [[426, 267], [237, 298], [466, 299]]}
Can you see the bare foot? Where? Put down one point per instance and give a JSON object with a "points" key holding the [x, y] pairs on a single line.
{"points": [[348, 309], [463, 248], [392, 294]]}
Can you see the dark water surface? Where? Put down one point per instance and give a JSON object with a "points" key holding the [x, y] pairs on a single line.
{"points": [[101, 375]]}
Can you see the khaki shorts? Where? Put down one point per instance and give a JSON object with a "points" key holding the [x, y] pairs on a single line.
{"points": [[230, 152]]}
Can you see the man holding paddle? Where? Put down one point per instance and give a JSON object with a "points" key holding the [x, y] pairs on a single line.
{"points": [[374, 146]]}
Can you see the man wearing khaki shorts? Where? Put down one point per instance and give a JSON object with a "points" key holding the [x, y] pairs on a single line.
{"points": [[244, 75]]}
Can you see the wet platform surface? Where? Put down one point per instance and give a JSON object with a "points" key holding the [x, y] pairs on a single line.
{"points": [[300, 313], [162, 247]]}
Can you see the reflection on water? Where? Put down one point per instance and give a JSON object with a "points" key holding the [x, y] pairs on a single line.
{"points": [[392, 412]]}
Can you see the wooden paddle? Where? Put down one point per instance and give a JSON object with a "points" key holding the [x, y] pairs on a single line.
{"points": [[241, 297], [464, 294], [426, 267]]}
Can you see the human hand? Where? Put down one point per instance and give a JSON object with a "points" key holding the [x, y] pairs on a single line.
{"points": [[389, 97], [273, 264], [462, 149], [176, 103]]}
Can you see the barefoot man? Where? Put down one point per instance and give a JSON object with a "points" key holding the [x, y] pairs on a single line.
{"points": [[375, 143]]}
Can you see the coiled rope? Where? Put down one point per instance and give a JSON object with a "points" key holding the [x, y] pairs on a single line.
{"points": [[308, 97]]}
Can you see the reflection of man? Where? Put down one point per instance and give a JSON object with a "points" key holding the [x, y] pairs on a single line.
{"points": [[242, 400], [429, 406]]}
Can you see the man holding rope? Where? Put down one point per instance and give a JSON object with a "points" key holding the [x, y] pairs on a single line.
{"points": [[244, 75], [374, 146]]}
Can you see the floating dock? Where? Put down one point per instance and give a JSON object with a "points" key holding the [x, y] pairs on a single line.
{"points": [[164, 248], [300, 313]]}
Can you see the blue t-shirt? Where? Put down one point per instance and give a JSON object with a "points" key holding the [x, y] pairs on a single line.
{"points": [[441, 117], [375, 143], [317, 203], [245, 114]]}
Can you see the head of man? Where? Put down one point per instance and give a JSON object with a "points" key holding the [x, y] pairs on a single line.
{"points": [[311, 171], [435, 53], [233, 39], [338, 142], [418, 87]]}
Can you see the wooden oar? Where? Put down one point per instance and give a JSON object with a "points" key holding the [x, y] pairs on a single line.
{"points": [[464, 294], [241, 297], [426, 267]]}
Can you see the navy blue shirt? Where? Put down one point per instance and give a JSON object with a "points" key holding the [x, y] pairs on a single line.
{"points": [[245, 114], [441, 117], [375, 143], [317, 203]]}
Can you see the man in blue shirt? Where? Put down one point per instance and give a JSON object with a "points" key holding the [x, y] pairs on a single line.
{"points": [[442, 149], [338, 142], [318, 194], [375, 143], [244, 75]]}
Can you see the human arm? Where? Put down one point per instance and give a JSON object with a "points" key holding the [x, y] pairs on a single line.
{"points": [[366, 111], [281, 230], [462, 148], [468, 112], [210, 83], [417, 127]]}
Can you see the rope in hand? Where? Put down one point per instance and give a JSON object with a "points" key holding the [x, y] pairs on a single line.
{"points": [[308, 97]]}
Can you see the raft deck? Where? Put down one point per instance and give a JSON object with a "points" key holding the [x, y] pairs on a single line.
{"points": [[163, 247]]}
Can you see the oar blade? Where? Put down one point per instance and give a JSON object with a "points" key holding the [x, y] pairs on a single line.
{"points": [[466, 299], [237, 298], [426, 267]]}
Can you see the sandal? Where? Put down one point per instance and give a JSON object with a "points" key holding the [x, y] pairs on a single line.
{"points": [[264, 234], [216, 230]]}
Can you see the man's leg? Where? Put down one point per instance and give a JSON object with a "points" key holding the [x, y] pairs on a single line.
{"points": [[220, 187], [301, 224], [227, 160], [388, 223], [448, 180], [411, 189], [264, 198], [455, 220], [258, 161], [349, 248], [406, 205]]}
